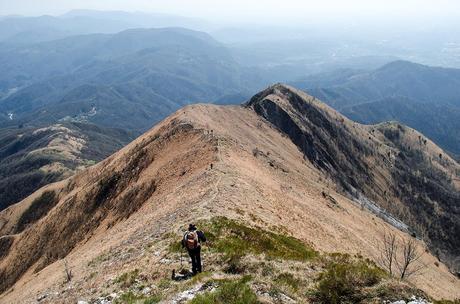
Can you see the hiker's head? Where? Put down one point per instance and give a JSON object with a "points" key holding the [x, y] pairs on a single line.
{"points": [[191, 227]]}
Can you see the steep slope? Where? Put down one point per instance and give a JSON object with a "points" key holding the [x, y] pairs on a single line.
{"points": [[202, 162], [394, 166], [33, 157], [402, 91]]}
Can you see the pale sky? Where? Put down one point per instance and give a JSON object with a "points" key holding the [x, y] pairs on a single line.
{"points": [[265, 11]]}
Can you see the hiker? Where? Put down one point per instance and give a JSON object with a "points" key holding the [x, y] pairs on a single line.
{"points": [[192, 242]]}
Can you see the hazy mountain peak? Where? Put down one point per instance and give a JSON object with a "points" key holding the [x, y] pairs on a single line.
{"points": [[402, 66]]}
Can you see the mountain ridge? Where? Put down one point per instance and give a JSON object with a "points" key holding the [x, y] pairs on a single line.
{"points": [[214, 160], [371, 97]]}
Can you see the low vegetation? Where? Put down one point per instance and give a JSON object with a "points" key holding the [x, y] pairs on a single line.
{"points": [[247, 264], [131, 298], [343, 279], [128, 278], [288, 268], [289, 280], [229, 292], [233, 239]]}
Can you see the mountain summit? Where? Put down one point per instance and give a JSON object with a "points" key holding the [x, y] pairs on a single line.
{"points": [[283, 162]]}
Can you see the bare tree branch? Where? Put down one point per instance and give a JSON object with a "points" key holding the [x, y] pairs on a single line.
{"points": [[409, 263], [402, 254], [389, 250]]}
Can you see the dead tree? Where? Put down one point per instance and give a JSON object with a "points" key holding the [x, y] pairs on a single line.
{"points": [[68, 272], [402, 254], [388, 251], [409, 263]]}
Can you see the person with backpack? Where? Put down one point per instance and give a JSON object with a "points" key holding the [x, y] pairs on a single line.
{"points": [[192, 242]]}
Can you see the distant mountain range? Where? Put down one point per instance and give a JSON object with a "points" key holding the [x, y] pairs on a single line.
{"points": [[19, 30], [130, 80], [425, 98]]}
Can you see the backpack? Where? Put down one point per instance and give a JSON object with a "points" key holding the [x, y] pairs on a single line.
{"points": [[191, 240]]}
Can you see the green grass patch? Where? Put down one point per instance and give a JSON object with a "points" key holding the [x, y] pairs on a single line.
{"points": [[175, 246], [132, 298], [267, 270], [127, 279], [199, 277], [99, 259], [232, 239], [164, 284], [229, 292], [344, 278], [288, 279]]}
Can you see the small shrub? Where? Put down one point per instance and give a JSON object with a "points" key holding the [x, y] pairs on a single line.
{"points": [[99, 259], [289, 280], [234, 264], [393, 290], [127, 298], [267, 269], [128, 278], [199, 277], [343, 279], [152, 299], [175, 246], [164, 284], [229, 292]]}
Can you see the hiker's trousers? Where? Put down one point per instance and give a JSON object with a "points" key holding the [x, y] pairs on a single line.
{"points": [[195, 255]]}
